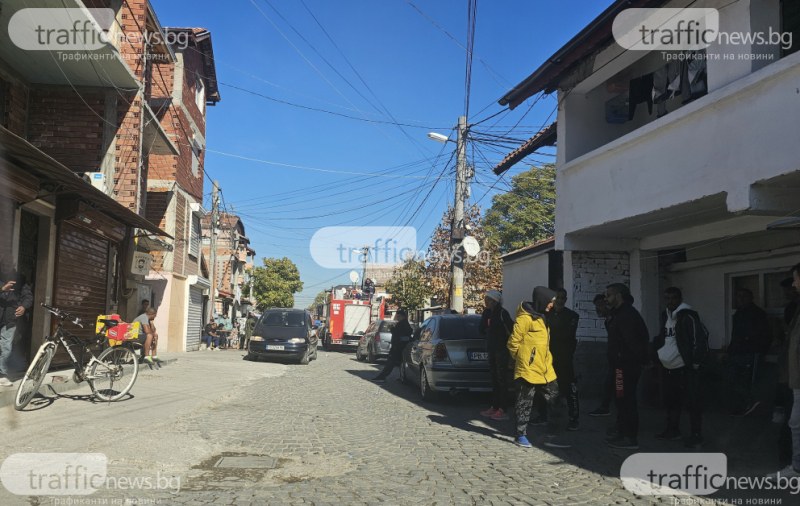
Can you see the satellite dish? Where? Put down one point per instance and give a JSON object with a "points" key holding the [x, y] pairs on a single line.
{"points": [[471, 246], [354, 276]]}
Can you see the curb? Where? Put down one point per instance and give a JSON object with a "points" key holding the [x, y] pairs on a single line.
{"points": [[58, 382]]}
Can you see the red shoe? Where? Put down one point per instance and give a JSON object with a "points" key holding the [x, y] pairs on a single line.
{"points": [[489, 413], [500, 415]]}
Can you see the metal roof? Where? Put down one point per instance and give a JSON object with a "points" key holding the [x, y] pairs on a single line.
{"points": [[546, 137]]}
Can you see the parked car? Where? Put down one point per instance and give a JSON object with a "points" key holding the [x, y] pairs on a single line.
{"points": [[376, 341], [284, 334], [448, 354]]}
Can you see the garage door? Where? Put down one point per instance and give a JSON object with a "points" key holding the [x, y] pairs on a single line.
{"points": [[195, 322]]}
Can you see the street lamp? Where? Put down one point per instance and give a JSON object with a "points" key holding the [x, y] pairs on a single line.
{"points": [[438, 137]]}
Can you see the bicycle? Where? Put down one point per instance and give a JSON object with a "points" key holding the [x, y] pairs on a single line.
{"points": [[116, 364]]}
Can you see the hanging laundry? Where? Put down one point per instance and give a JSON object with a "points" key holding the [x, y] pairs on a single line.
{"points": [[661, 85], [641, 90]]}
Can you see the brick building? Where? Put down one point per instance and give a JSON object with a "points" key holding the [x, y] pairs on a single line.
{"points": [[179, 90], [69, 113]]}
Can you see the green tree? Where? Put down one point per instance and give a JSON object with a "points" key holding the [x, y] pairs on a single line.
{"points": [[275, 283], [408, 285], [320, 298], [481, 273], [526, 213]]}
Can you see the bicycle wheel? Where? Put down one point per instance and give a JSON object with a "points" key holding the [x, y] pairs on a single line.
{"points": [[113, 373], [29, 386]]}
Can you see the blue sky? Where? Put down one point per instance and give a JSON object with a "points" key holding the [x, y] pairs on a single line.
{"points": [[289, 171]]}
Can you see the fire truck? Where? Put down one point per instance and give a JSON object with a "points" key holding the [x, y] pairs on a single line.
{"points": [[348, 319]]}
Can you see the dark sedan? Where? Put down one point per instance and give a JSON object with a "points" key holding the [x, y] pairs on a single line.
{"points": [[286, 334]]}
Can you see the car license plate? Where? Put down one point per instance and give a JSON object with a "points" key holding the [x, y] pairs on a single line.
{"points": [[277, 347], [478, 355]]}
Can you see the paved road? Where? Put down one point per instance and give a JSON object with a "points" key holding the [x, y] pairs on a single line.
{"points": [[226, 431]]}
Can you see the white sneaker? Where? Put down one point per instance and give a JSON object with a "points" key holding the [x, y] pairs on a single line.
{"points": [[4, 382], [787, 472]]}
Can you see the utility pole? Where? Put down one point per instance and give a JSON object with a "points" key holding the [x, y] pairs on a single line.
{"points": [[457, 229], [213, 260]]}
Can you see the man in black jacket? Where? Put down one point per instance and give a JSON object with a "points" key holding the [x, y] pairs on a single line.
{"points": [[750, 340], [563, 324], [496, 325], [682, 346], [628, 340], [401, 334], [16, 300]]}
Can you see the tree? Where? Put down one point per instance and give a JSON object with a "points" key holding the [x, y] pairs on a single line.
{"points": [[275, 284], [526, 213], [482, 273], [320, 298], [408, 284]]}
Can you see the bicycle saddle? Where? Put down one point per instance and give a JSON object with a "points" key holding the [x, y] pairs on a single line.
{"points": [[109, 323]]}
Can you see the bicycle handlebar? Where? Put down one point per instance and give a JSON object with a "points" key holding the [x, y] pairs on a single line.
{"points": [[63, 315]]}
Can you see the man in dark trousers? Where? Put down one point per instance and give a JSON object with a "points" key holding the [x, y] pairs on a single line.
{"points": [[604, 409], [682, 347], [496, 325], [563, 324], [401, 334], [750, 339], [628, 340], [16, 300]]}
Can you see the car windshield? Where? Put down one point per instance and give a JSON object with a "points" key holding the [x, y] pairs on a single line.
{"points": [[283, 319], [459, 328]]}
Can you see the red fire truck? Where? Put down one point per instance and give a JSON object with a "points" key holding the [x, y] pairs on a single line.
{"points": [[348, 319]]}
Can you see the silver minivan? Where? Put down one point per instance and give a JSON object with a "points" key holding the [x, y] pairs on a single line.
{"points": [[448, 354], [376, 341]]}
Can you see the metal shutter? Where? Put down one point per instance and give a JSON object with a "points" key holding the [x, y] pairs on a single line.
{"points": [[81, 286], [195, 321]]}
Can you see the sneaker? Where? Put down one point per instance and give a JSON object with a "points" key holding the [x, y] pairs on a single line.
{"points": [[499, 415], [488, 413], [523, 442], [600, 412], [693, 441], [539, 421], [573, 425], [4, 382], [787, 472], [623, 443], [669, 435], [553, 442]]}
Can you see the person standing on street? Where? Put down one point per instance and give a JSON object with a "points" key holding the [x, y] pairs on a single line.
{"points": [[529, 346], [792, 471], [682, 347], [750, 339], [249, 325], [401, 334], [628, 340], [563, 324], [496, 324], [604, 409], [16, 300]]}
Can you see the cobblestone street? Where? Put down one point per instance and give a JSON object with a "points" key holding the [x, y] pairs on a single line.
{"points": [[236, 432]]}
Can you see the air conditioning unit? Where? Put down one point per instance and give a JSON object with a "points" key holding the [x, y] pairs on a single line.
{"points": [[96, 179]]}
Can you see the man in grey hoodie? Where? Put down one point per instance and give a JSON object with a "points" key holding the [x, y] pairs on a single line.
{"points": [[682, 347]]}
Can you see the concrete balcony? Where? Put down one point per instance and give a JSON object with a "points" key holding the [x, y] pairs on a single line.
{"points": [[47, 63], [727, 161]]}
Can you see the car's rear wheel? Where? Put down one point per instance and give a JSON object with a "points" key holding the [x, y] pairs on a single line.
{"points": [[370, 355], [425, 387]]}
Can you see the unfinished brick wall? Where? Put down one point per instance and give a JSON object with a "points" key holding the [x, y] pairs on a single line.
{"points": [[15, 105], [592, 273], [68, 126]]}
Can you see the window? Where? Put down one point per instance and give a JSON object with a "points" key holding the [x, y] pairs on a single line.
{"points": [[196, 150], [200, 94], [194, 240]]}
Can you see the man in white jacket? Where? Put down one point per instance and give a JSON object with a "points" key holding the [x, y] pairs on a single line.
{"points": [[682, 347]]}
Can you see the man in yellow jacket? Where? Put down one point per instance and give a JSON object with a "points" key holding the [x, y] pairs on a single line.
{"points": [[529, 346]]}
